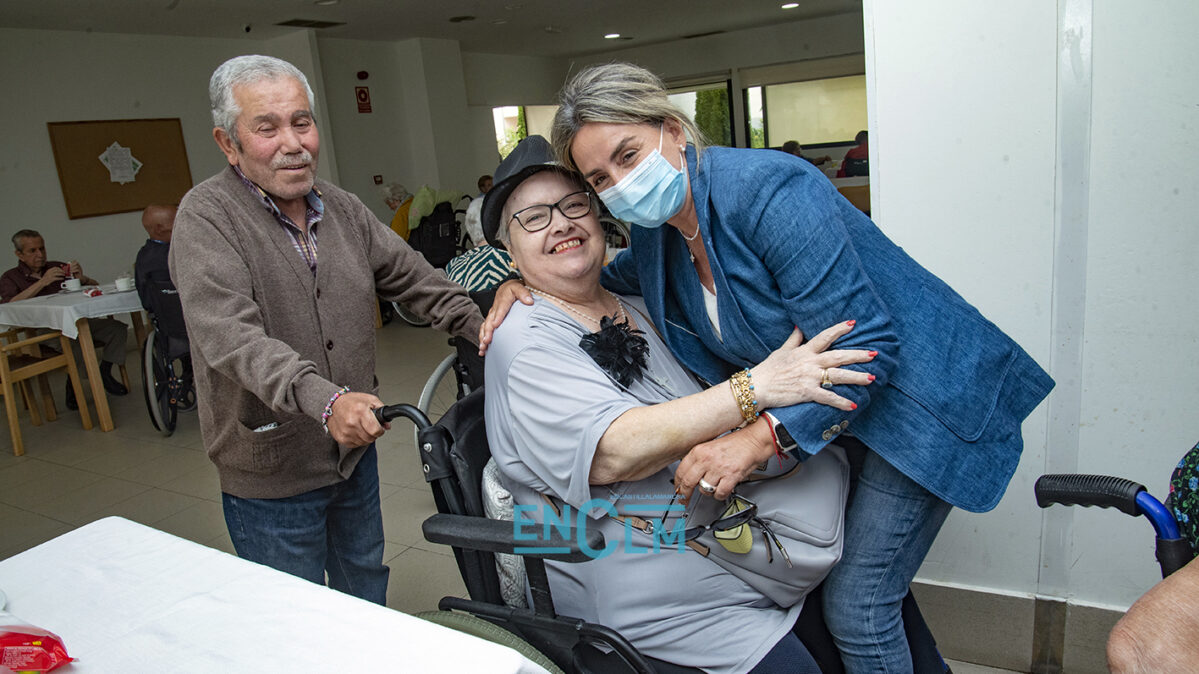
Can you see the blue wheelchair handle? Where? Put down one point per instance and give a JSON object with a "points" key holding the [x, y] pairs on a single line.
{"points": [[1106, 492]]}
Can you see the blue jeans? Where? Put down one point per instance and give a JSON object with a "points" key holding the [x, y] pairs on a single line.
{"points": [[336, 529], [890, 525]]}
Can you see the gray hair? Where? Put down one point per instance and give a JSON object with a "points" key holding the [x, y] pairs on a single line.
{"points": [[614, 93], [395, 192], [22, 235], [241, 70]]}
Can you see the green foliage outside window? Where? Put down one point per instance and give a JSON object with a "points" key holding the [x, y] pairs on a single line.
{"points": [[712, 116], [511, 138]]}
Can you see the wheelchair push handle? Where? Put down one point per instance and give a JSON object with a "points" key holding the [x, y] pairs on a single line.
{"points": [[1129, 497], [388, 412], [1089, 490]]}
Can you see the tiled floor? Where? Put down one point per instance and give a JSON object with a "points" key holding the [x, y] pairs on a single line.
{"points": [[69, 477]]}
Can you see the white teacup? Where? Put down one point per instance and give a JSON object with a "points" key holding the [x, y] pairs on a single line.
{"points": [[124, 283], [72, 284]]}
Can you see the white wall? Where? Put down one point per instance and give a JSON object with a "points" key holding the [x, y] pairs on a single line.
{"points": [[58, 76], [979, 119], [1139, 367]]}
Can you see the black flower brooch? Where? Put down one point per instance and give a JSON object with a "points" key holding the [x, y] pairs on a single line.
{"points": [[621, 351]]}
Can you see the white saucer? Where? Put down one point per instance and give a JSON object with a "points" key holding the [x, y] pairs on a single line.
{"points": [[65, 291]]}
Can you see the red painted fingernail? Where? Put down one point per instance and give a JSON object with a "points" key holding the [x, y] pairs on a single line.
{"points": [[853, 406], [870, 377], [850, 323], [872, 354]]}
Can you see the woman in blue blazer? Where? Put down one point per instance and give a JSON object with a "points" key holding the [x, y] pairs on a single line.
{"points": [[756, 243]]}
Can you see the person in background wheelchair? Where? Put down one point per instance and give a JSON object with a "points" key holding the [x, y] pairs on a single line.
{"points": [[168, 343], [585, 402]]}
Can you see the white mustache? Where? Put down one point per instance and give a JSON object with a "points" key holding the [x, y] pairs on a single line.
{"points": [[292, 161]]}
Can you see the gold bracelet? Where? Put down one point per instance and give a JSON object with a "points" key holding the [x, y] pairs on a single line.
{"points": [[743, 391]]}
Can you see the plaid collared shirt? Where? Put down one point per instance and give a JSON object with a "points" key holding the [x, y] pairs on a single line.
{"points": [[314, 210]]}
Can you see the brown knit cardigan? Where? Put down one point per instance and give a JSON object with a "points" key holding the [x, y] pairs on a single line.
{"points": [[272, 343]]}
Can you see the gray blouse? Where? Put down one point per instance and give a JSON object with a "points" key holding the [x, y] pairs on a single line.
{"points": [[547, 406]]}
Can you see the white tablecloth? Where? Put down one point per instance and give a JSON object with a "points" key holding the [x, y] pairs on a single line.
{"points": [[128, 598], [59, 312]]}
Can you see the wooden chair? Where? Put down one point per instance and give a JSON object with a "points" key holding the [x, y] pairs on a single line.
{"points": [[18, 365]]}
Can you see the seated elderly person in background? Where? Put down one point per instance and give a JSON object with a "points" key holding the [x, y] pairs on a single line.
{"points": [[151, 266], [35, 276], [565, 420]]}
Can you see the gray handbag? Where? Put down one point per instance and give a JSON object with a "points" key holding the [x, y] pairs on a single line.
{"points": [[797, 533]]}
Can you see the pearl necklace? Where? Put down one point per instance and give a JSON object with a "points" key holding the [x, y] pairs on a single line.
{"points": [[620, 315]]}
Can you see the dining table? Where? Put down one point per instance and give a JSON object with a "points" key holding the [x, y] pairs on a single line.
{"points": [[125, 597], [69, 311]]}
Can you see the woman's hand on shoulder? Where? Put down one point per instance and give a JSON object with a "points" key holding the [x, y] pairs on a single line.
{"points": [[793, 373], [505, 296]]}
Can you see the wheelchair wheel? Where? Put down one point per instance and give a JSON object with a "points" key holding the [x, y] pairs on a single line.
{"points": [[440, 391], [159, 384], [409, 317], [476, 626]]}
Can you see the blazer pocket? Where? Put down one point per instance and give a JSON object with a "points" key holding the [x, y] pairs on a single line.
{"points": [[953, 362], [265, 448]]}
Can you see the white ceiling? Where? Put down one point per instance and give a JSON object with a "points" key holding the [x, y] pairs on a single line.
{"points": [[527, 27]]}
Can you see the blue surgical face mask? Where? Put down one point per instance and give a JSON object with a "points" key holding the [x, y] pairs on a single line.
{"points": [[651, 193]]}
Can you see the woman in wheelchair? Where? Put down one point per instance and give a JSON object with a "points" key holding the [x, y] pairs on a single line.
{"points": [[585, 402], [731, 249]]}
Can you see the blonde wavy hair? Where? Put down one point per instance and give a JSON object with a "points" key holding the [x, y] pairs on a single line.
{"points": [[614, 93]]}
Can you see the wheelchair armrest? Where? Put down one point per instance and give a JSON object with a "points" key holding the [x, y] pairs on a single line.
{"points": [[488, 535]]}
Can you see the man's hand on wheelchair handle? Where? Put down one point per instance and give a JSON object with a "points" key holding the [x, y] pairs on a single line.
{"points": [[505, 296], [352, 423]]}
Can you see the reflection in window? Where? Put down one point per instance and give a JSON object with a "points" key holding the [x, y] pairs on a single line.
{"points": [[817, 111]]}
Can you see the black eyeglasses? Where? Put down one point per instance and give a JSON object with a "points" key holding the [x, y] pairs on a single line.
{"points": [[537, 217]]}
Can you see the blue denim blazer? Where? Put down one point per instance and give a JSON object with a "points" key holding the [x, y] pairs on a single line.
{"points": [[787, 250]]}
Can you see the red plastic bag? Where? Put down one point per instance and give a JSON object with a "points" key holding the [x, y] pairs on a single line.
{"points": [[25, 648]]}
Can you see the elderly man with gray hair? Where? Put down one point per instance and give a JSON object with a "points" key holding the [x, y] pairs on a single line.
{"points": [[278, 271]]}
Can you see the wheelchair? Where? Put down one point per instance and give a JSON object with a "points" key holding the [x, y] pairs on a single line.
{"points": [[166, 359], [454, 455], [457, 374]]}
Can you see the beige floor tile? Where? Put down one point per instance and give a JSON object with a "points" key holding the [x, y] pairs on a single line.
{"points": [[223, 543], [117, 458], [60, 481], [419, 579], [150, 507], [25, 471], [158, 472], [200, 523], [21, 530], [200, 483], [403, 513], [78, 506]]}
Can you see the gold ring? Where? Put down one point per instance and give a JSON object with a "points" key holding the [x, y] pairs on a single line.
{"points": [[825, 382]]}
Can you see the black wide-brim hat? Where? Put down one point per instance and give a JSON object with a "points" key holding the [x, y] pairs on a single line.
{"points": [[530, 156]]}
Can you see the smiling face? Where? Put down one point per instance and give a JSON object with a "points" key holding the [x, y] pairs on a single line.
{"points": [[279, 143], [606, 153], [567, 255]]}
